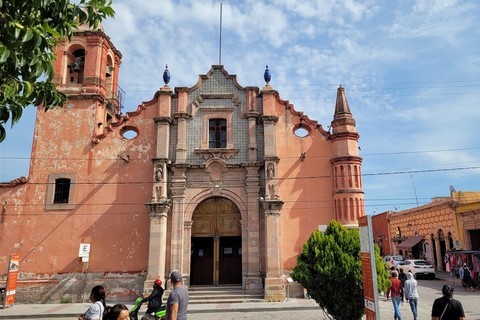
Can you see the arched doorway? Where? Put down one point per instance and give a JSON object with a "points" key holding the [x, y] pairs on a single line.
{"points": [[216, 254]]}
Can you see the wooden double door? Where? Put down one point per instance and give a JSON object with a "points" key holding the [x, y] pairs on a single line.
{"points": [[216, 252]]}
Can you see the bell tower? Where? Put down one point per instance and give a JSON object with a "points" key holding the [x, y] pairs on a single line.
{"points": [[348, 194], [86, 70]]}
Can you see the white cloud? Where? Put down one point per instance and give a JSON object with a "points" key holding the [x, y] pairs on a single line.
{"points": [[438, 20]]}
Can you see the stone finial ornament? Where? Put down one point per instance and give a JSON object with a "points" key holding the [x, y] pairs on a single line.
{"points": [[166, 75], [267, 75]]}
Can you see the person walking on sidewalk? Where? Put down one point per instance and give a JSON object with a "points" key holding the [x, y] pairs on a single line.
{"points": [[411, 293], [447, 308], [95, 312], [396, 292], [177, 302], [402, 277], [466, 277]]}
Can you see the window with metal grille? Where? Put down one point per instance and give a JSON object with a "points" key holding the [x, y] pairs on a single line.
{"points": [[217, 134], [62, 190]]}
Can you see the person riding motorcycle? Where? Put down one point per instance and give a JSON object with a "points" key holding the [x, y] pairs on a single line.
{"points": [[155, 298]]}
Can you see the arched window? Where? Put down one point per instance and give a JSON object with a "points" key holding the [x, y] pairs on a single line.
{"points": [[76, 66]]}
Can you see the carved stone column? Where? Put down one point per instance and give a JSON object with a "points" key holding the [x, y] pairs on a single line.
{"points": [[159, 187], [271, 186], [274, 286], [447, 243], [177, 245], [438, 254], [252, 136], [251, 233], [181, 148], [187, 240], [158, 241]]}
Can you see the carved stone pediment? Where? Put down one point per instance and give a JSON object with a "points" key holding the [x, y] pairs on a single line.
{"points": [[215, 168], [216, 153]]}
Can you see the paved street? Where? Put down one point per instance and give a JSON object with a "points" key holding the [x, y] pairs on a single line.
{"points": [[429, 290], [299, 309], [265, 315]]}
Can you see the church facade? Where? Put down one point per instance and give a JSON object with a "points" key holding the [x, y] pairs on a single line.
{"points": [[221, 181]]}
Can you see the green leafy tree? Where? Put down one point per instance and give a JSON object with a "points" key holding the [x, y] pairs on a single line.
{"points": [[383, 275], [329, 267], [29, 32]]}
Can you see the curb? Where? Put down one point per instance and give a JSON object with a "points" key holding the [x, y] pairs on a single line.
{"points": [[194, 311]]}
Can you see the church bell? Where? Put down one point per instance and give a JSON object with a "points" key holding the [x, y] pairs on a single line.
{"points": [[77, 64]]}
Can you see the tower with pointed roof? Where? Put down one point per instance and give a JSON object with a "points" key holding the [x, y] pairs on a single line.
{"points": [[348, 194]]}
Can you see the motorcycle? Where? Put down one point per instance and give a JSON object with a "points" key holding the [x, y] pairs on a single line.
{"points": [[159, 314]]}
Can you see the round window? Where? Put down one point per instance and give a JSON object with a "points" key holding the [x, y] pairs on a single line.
{"points": [[129, 133], [301, 132]]}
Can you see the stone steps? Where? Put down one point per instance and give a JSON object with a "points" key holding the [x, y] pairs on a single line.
{"points": [[221, 294]]}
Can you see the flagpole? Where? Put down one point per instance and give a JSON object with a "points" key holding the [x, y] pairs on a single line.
{"points": [[220, 42]]}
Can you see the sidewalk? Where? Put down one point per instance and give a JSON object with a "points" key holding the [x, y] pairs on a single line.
{"points": [[73, 310]]}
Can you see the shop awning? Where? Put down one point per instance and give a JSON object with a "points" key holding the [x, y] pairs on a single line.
{"points": [[409, 243]]}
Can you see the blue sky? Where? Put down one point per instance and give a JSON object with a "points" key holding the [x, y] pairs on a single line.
{"points": [[411, 71]]}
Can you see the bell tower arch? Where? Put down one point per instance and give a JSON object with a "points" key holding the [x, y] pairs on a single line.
{"points": [[86, 70]]}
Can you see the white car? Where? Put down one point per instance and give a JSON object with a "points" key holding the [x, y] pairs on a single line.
{"points": [[418, 268], [394, 261]]}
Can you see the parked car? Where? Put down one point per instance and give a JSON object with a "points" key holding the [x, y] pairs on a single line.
{"points": [[394, 261], [419, 268]]}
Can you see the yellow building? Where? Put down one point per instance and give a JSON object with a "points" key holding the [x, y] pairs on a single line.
{"points": [[468, 218], [429, 231]]}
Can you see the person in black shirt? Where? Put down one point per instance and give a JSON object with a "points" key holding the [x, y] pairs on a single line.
{"points": [[402, 277], [155, 299], [447, 308]]}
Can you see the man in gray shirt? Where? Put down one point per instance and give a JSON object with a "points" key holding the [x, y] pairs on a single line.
{"points": [[177, 302]]}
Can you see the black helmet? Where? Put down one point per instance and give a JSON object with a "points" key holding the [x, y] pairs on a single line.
{"points": [[447, 290]]}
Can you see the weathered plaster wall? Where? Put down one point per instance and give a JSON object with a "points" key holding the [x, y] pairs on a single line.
{"points": [[109, 213], [304, 182]]}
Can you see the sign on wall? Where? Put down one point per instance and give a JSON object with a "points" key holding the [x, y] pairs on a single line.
{"points": [[12, 276], [84, 251]]}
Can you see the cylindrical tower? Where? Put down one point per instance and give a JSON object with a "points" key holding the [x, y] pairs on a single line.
{"points": [[346, 165]]}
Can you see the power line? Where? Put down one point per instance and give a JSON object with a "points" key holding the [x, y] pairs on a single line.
{"points": [[354, 96], [354, 88], [385, 173], [346, 84], [421, 171], [191, 181], [285, 157], [63, 213], [284, 178], [418, 151], [288, 204]]}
